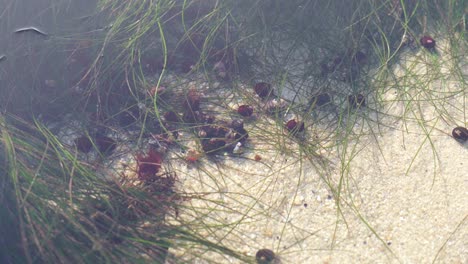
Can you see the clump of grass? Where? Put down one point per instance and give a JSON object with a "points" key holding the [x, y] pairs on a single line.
{"points": [[60, 209]]}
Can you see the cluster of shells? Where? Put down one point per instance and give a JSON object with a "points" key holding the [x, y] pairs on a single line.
{"points": [[226, 136]]}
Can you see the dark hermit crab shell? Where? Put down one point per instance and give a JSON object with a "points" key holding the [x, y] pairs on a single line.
{"points": [[427, 42], [83, 144], [460, 134], [294, 126], [245, 110], [264, 256], [263, 89]]}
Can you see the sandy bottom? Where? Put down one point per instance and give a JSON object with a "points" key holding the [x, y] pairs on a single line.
{"points": [[411, 194], [400, 185], [396, 190]]}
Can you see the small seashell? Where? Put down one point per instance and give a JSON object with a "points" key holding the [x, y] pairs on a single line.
{"points": [[263, 89], [148, 165], [245, 110], [294, 126], [265, 256], [427, 42], [237, 149], [202, 133], [460, 134], [83, 144]]}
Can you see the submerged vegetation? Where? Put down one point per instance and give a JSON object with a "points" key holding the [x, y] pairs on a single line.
{"points": [[110, 110]]}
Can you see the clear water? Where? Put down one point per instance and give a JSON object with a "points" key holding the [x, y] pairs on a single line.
{"points": [[146, 95]]}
